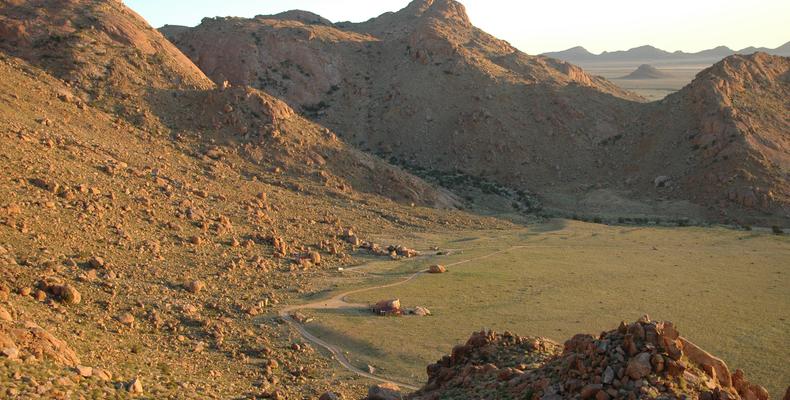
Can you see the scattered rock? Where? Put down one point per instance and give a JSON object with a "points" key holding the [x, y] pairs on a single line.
{"points": [[590, 390], [420, 311], [67, 294], [639, 366], [329, 396], [12, 353], [97, 263], [384, 391], [437, 269], [102, 374], [40, 295], [85, 372], [126, 318], [315, 257], [195, 286], [662, 181], [5, 315], [135, 386]]}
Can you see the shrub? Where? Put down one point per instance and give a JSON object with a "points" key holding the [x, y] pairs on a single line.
{"points": [[777, 230]]}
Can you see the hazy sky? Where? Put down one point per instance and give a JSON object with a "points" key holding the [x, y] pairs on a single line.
{"points": [[542, 26]]}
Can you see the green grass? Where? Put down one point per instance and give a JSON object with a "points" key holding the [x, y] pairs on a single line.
{"points": [[728, 291]]}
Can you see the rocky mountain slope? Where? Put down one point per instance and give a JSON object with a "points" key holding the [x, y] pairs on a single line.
{"points": [[150, 219], [641, 360], [110, 58], [734, 117], [424, 87], [368, 82]]}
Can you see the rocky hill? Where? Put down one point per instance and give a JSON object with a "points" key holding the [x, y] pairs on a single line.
{"points": [[640, 360], [734, 117], [425, 88], [150, 219]]}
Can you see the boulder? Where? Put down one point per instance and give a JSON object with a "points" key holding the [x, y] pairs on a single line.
{"points": [[590, 390], [63, 292], [97, 262], [27, 337], [713, 366], [69, 295], [85, 372], [195, 286], [421, 311], [437, 269], [388, 307], [135, 386], [315, 257], [384, 391], [5, 315], [639, 366], [662, 181]]}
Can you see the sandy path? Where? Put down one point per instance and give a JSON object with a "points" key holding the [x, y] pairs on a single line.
{"points": [[339, 302]]}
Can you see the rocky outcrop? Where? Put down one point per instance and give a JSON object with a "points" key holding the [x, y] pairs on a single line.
{"points": [[24, 339], [644, 359], [739, 132], [74, 39]]}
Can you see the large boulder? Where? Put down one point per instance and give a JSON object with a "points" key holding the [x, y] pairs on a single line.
{"points": [[29, 338], [437, 269], [384, 391], [713, 366], [388, 307]]}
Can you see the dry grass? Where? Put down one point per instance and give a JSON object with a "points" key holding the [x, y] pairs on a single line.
{"points": [[727, 290]]}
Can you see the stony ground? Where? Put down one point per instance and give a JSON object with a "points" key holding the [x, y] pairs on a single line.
{"points": [[177, 257]]}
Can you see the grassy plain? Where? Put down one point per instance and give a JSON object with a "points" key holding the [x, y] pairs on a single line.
{"points": [[727, 290]]}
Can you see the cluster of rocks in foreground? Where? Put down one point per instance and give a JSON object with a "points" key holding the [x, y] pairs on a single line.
{"points": [[642, 360]]}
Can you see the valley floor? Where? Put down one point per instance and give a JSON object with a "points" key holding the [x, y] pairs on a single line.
{"points": [[727, 290]]}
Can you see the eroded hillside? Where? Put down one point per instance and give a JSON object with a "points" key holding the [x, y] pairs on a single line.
{"points": [[142, 251], [424, 87]]}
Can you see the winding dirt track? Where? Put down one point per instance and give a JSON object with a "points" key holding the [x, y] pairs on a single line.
{"points": [[339, 302]]}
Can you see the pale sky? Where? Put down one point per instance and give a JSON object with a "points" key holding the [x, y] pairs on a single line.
{"points": [[542, 26]]}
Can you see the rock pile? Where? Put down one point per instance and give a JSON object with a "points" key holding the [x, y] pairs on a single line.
{"points": [[644, 359], [395, 252]]}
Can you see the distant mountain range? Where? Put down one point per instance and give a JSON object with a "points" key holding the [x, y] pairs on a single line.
{"points": [[652, 54]]}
